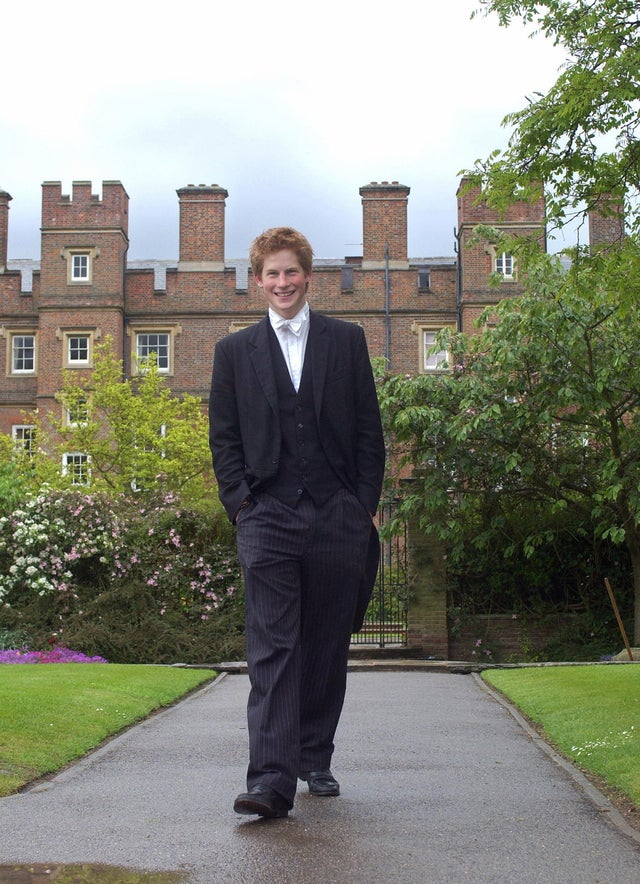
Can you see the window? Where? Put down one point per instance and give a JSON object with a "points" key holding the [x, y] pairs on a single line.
{"points": [[77, 346], [424, 278], [150, 342], [23, 354], [157, 343], [150, 446], [80, 268], [78, 412], [432, 360], [346, 278], [80, 264], [24, 437], [76, 465], [505, 264], [78, 350]]}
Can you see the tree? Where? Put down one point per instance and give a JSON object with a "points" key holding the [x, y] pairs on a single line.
{"points": [[12, 482], [541, 409], [582, 138], [582, 141], [137, 435]]}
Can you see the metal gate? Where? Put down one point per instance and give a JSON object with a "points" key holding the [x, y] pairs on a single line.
{"points": [[385, 623]]}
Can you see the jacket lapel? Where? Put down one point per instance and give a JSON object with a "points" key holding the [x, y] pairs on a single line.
{"points": [[318, 345], [260, 356]]}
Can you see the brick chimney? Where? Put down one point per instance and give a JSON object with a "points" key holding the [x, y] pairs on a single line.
{"points": [[5, 199], [202, 227], [606, 221], [384, 224]]}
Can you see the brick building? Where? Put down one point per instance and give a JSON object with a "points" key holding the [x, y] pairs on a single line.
{"points": [[52, 313]]}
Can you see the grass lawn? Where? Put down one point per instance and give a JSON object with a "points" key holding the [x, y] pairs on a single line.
{"points": [[590, 713], [54, 713]]}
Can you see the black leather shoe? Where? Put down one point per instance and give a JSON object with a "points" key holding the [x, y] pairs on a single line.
{"points": [[321, 783], [262, 800]]}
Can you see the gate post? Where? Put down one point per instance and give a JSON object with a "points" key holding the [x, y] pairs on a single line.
{"points": [[427, 630]]}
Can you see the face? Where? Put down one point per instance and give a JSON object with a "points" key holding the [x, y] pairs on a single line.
{"points": [[284, 283]]}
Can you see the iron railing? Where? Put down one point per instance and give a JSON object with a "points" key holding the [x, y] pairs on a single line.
{"points": [[385, 623]]}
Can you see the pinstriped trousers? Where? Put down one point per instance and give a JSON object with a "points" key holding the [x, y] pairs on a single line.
{"points": [[302, 568]]}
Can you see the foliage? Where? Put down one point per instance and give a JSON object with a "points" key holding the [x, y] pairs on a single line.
{"points": [[137, 435], [538, 416], [10, 485], [12, 638], [56, 541], [584, 636], [15, 474], [566, 573], [582, 138], [581, 141], [134, 580]]}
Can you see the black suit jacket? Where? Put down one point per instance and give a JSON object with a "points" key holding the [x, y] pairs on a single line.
{"points": [[245, 434], [244, 417]]}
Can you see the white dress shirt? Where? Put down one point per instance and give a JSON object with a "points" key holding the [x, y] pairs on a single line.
{"points": [[292, 336]]}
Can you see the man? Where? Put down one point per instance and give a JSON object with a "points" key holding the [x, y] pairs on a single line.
{"points": [[299, 455]]}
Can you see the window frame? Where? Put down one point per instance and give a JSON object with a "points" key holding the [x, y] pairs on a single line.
{"points": [[11, 353], [78, 465], [422, 329], [25, 442], [73, 253], [81, 418], [502, 260], [137, 362], [69, 336], [80, 270]]}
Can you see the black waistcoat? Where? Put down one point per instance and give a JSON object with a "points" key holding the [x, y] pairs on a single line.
{"points": [[302, 466]]}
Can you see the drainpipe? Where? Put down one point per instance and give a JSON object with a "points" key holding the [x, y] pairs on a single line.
{"points": [[456, 249], [125, 320], [387, 314]]}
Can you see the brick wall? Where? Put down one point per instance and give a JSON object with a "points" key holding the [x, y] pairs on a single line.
{"points": [[606, 221], [477, 258], [201, 300], [503, 638]]}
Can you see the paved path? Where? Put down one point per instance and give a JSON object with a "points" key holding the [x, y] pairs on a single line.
{"points": [[439, 784]]}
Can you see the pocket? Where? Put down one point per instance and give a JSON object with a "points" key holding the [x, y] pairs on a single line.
{"points": [[244, 511]]}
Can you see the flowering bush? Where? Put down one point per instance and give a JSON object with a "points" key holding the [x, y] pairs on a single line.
{"points": [[53, 655], [54, 542], [138, 579], [479, 650], [170, 550]]}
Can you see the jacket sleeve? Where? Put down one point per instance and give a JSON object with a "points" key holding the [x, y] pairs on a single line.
{"points": [[225, 436]]}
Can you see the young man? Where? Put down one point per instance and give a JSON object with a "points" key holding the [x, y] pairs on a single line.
{"points": [[299, 456]]}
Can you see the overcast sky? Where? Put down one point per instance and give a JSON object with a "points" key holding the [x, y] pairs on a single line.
{"points": [[290, 106]]}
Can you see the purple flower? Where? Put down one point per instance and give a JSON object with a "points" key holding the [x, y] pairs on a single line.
{"points": [[53, 655]]}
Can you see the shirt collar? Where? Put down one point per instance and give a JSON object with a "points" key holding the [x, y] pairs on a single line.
{"points": [[296, 323]]}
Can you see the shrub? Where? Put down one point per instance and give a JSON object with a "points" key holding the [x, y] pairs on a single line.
{"points": [[56, 542], [142, 580]]}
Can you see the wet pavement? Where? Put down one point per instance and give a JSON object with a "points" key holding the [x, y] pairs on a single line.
{"points": [[440, 783]]}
